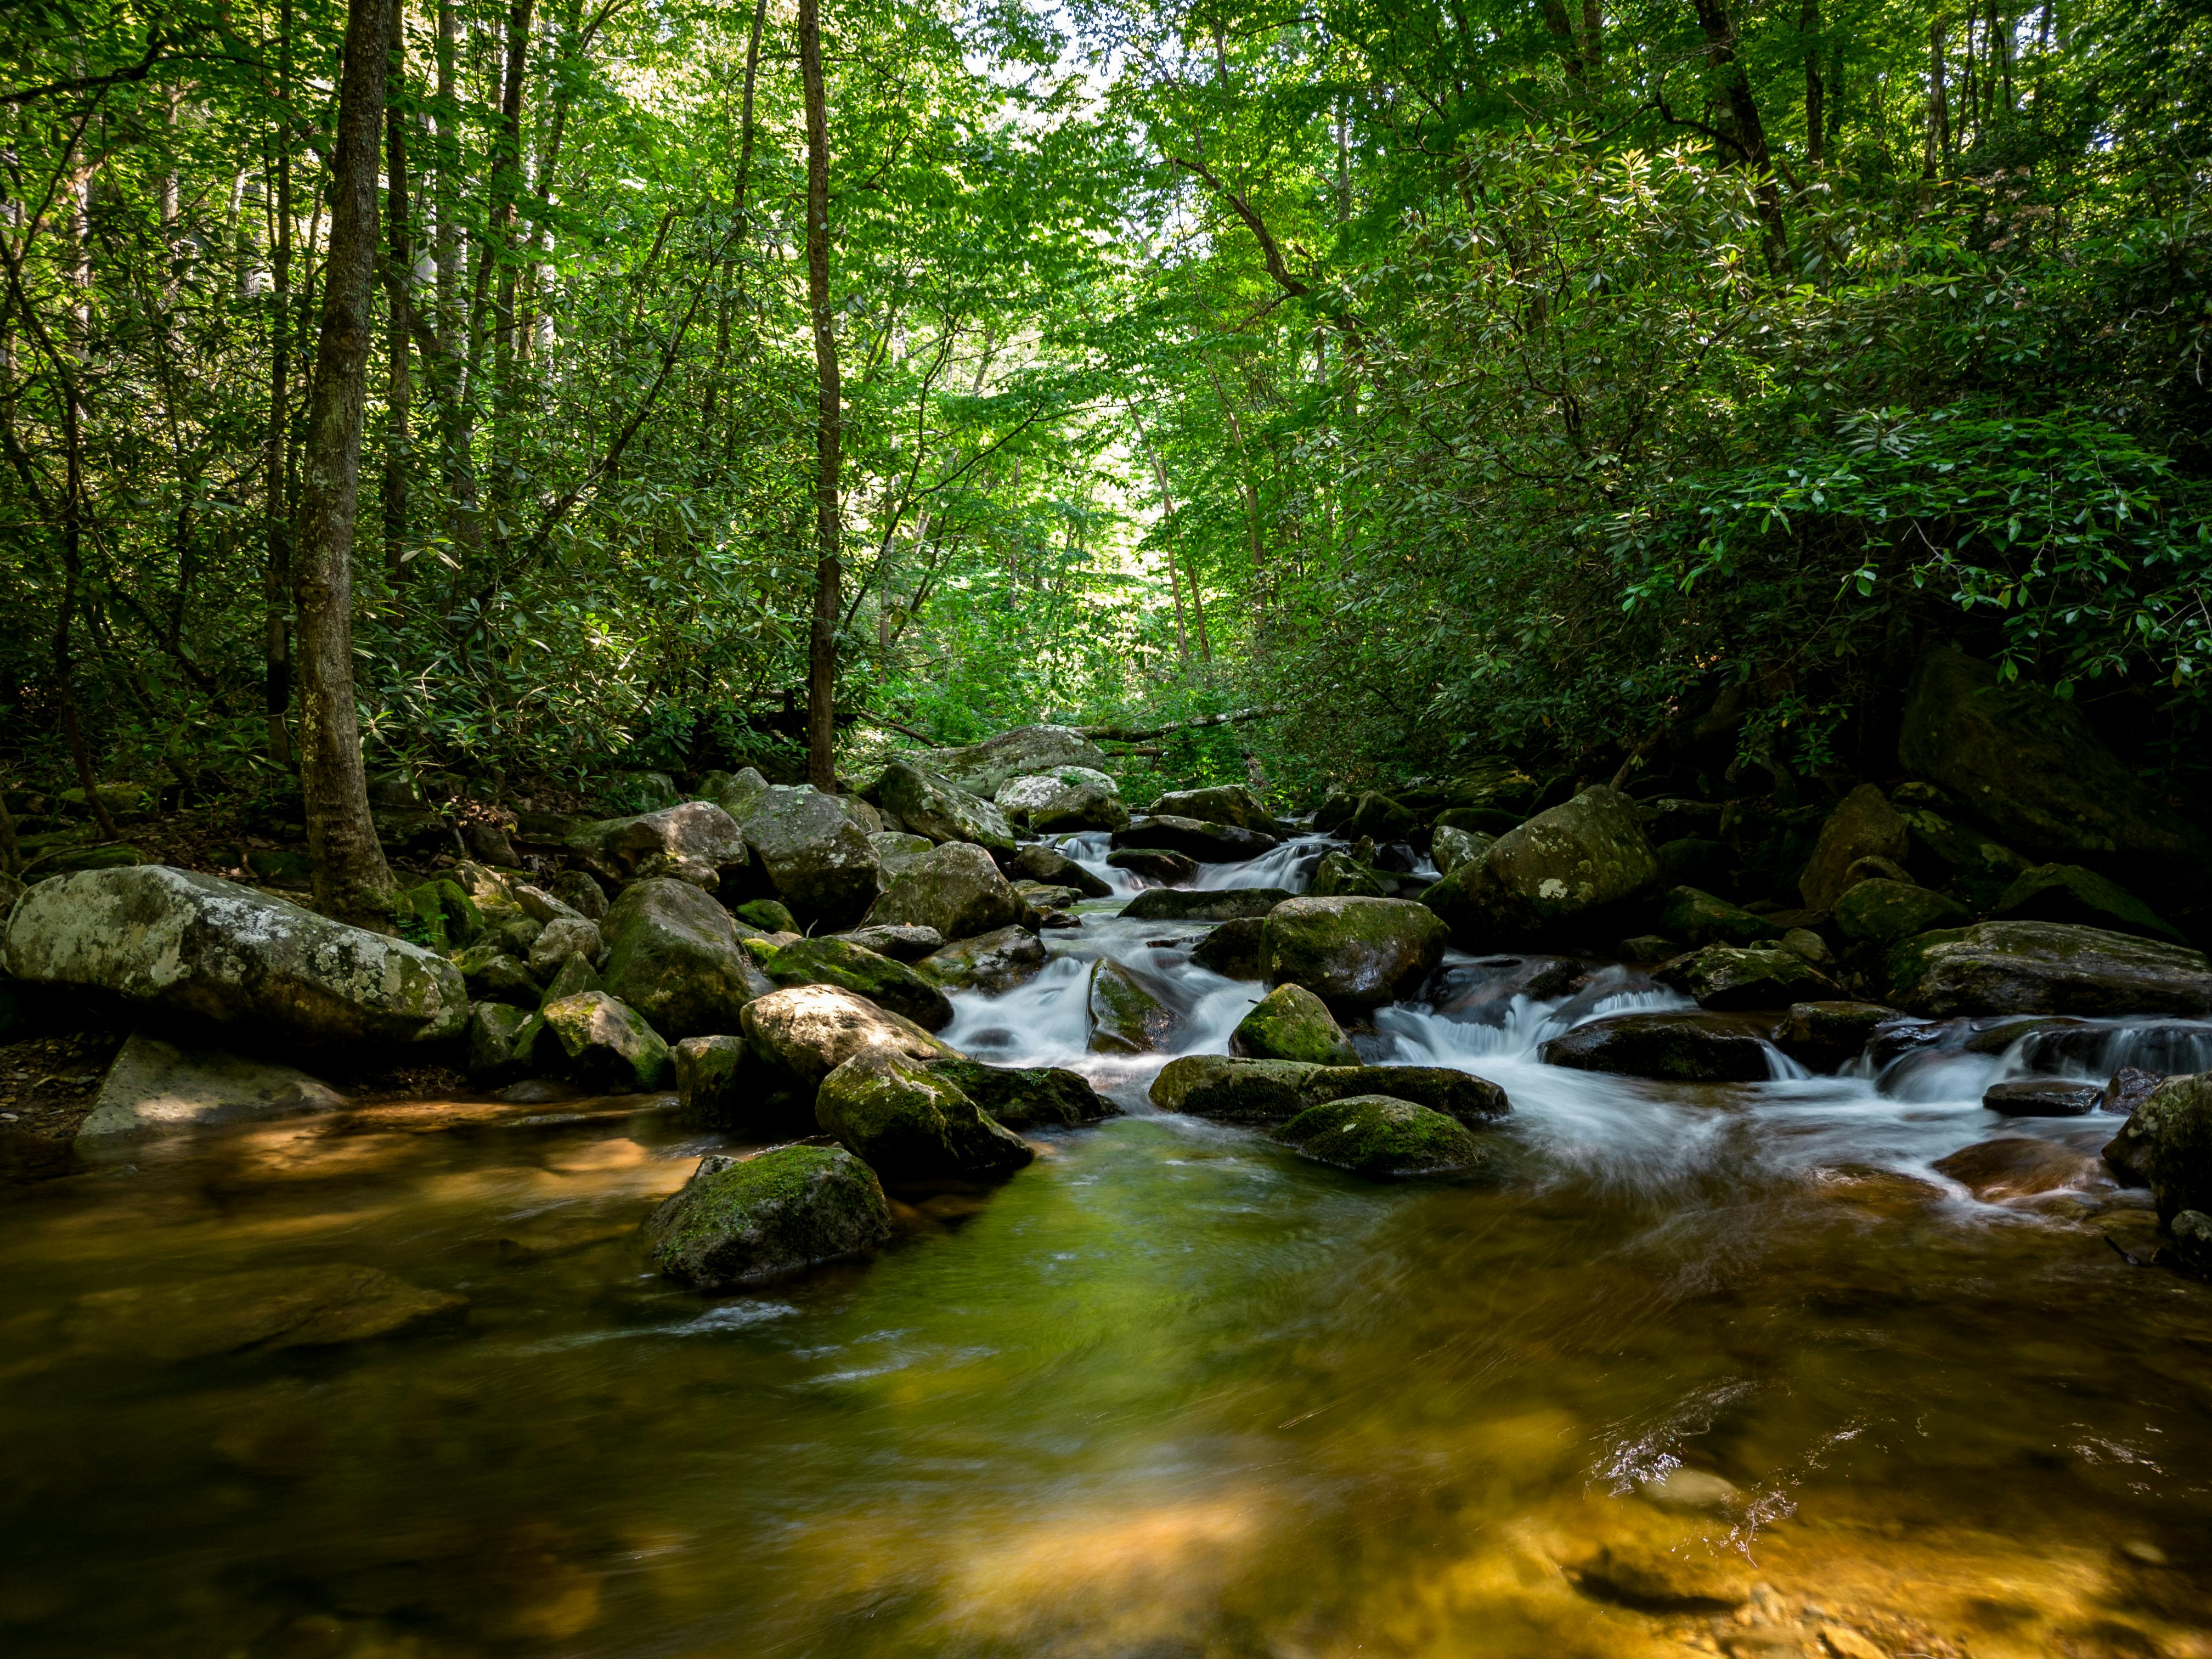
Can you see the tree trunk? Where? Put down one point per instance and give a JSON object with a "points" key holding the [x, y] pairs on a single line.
{"points": [[1747, 132], [1939, 105], [1808, 27], [276, 565], [398, 390], [351, 880], [829, 575]]}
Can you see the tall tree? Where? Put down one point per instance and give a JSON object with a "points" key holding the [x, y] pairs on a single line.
{"points": [[829, 572]]}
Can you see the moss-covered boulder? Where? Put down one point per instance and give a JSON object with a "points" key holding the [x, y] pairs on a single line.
{"points": [[1864, 824], [1377, 817], [806, 1032], [886, 983], [1204, 904], [1232, 948], [695, 842], [717, 1080], [1567, 869], [981, 767], [492, 974], [1882, 912], [993, 962], [493, 1029], [1351, 952], [1026, 1096], [819, 858], [580, 892], [957, 890], [1234, 1090], [599, 1041], [1126, 1017], [1340, 875], [1666, 1047], [574, 974], [1460, 1095], [1382, 1139], [1964, 861], [1065, 799], [1154, 864], [1825, 1034], [2069, 892], [1697, 917], [1291, 1023], [738, 1221], [1732, 976], [1451, 847], [769, 915], [1195, 838], [896, 851], [675, 955], [1035, 861], [564, 938], [928, 806], [1229, 803], [909, 1124], [2166, 1145], [440, 915], [2046, 968]]}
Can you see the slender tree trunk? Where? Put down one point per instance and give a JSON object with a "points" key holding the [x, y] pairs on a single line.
{"points": [[1809, 26], [1168, 507], [829, 574], [463, 523], [1747, 131], [1593, 38], [350, 877], [727, 300], [505, 190], [398, 389], [1939, 104], [276, 565]]}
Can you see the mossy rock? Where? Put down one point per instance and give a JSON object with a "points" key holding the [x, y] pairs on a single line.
{"points": [[2166, 1145], [1882, 912], [112, 857], [1697, 917], [1727, 976], [1291, 1023], [1382, 1139], [1232, 948], [1380, 818], [888, 984], [494, 1028], [1339, 874], [2046, 968], [1565, 868], [2068, 892], [674, 954], [738, 1221], [769, 915], [437, 914], [991, 963], [1230, 1090], [574, 974], [1352, 952], [909, 1124], [495, 975], [1203, 904], [1126, 1018], [600, 1040], [1026, 1096]]}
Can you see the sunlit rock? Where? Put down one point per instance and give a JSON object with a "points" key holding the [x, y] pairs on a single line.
{"points": [[736, 1221]]}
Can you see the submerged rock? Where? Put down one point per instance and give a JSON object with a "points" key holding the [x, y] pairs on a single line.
{"points": [[154, 1085], [993, 962], [1193, 838], [262, 1311], [2016, 1166], [2166, 1145], [1340, 875], [675, 955], [197, 946], [1351, 952], [1126, 1018], [738, 1221], [956, 890], [1563, 869], [1690, 1575], [1204, 904], [1381, 1137], [1026, 1096], [806, 1032], [928, 806], [1864, 825], [1666, 1047], [886, 983], [1726, 977], [907, 1125], [1291, 1023], [2045, 967]]}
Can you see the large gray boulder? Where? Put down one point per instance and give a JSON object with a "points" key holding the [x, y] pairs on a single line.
{"points": [[2166, 1145], [1668, 1048], [990, 962], [957, 890], [813, 850], [697, 841], [896, 851], [2068, 892], [1126, 1017], [675, 955], [1026, 1096], [598, 1040], [154, 1085], [736, 1221], [1863, 825], [981, 767], [1204, 904], [204, 948], [1036, 862], [1064, 800], [806, 1032], [1229, 803], [929, 807], [2031, 768], [909, 1124], [2046, 968], [1351, 952], [1564, 869]]}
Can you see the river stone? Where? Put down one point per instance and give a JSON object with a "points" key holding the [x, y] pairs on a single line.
{"points": [[1694, 1576], [930, 806], [957, 890], [1232, 948], [2068, 892], [1697, 917], [262, 1311], [697, 841], [1824, 1035], [981, 767], [1037, 862], [1882, 912], [1291, 1023], [1126, 1018], [909, 1126], [1667, 1048], [492, 973], [564, 937], [598, 1040], [1351, 952], [571, 977], [739, 1220], [154, 1085], [2190, 1234], [1234, 1090], [1203, 904], [993, 962], [888, 984], [1208, 844], [1064, 800], [2016, 1166], [1966, 861], [1381, 1137], [1725, 976], [1863, 825], [494, 1030], [1232, 804], [1460, 1095], [1026, 1096], [1560, 869], [2127, 1088], [809, 1031], [897, 853], [1450, 847], [1340, 875], [580, 893], [735, 792], [204, 948], [822, 863], [899, 943], [769, 915], [1381, 819], [1044, 899], [2046, 967], [717, 1082], [2032, 768], [2166, 1145], [674, 954], [1154, 863], [2043, 1097]]}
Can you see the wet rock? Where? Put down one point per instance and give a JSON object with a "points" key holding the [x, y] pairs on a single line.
{"points": [[1217, 904], [579, 893], [2068, 892], [806, 1032], [1825, 1034], [1208, 844], [1233, 1090], [897, 852], [1126, 1018], [573, 975], [563, 937], [1725, 976], [1876, 869], [1698, 918], [1882, 912], [2166, 1145], [1036, 862], [493, 975], [2190, 1234], [1688, 1576], [2031, 768], [697, 843], [1231, 949], [1565, 868], [154, 1086], [1648, 948], [494, 1028], [1483, 992], [202, 948], [2042, 1096], [930, 806], [1231, 803], [1067, 799], [674, 954], [957, 890], [1340, 874], [1682, 1488], [719, 1083], [888, 984], [1381, 1137], [2129, 1088], [1026, 1096], [598, 1040], [982, 768], [2044, 966], [1154, 863], [901, 942], [993, 962], [909, 1124], [820, 860], [262, 1311], [1380, 819], [2016, 1166], [1044, 900], [1351, 952], [1291, 1023], [1667, 1048], [1450, 847], [1460, 1095], [738, 1221]]}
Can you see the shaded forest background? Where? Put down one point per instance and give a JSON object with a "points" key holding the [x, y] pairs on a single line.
{"points": [[1542, 378]]}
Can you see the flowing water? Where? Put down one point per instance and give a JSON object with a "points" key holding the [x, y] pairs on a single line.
{"points": [[1169, 1392]]}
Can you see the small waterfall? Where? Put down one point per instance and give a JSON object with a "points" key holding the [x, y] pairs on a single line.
{"points": [[1289, 867]]}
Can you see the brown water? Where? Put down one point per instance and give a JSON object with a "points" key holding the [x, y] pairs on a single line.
{"points": [[1169, 1392]]}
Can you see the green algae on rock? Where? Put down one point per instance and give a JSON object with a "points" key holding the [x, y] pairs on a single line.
{"points": [[1382, 1137], [1351, 952], [907, 1124], [1291, 1023], [888, 984], [739, 1220]]}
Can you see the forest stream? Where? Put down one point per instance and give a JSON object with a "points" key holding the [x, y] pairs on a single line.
{"points": [[1712, 1367]]}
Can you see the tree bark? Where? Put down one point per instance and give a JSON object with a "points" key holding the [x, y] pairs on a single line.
{"points": [[1939, 105], [276, 565], [351, 880], [398, 389], [1808, 27], [1746, 131], [829, 574]]}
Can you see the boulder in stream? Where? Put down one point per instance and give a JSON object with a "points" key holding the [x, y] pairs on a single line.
{"points": [[2046, 967], [928, 806], [1340, 875], [1698, 918], [956, 890], [2127, 1088], [1565, 871], [154, 1086], [806, 1032], [1450, 847], [675, 955], [1291, 1023], [1824, 1035], [909, 1124], [2166, 1145], [1726, 977], [2043, 1097], [599, 1041], [1126, 1018], [1065, 799], [992, 963], [1195, 838], [494, 1028], [1154, 863], [1035, 861], [1204, 904], [2018, 1166], [814, 850], [1351, 952], [1233, 1090], [738, 1221], [886, 983], [1232, 949], [1382, 1137], [1230, 803], [1026, 1096], [697, 841], [1665, 1048], [203, 948]]}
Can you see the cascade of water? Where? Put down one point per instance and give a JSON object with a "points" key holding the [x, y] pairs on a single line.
{"points": [[1289, 867]]}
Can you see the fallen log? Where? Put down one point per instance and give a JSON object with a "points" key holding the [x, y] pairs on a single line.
{"points": [[1138, 733]]}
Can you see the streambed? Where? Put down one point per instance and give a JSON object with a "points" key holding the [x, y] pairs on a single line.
{"points": [[1713, 1368]]}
